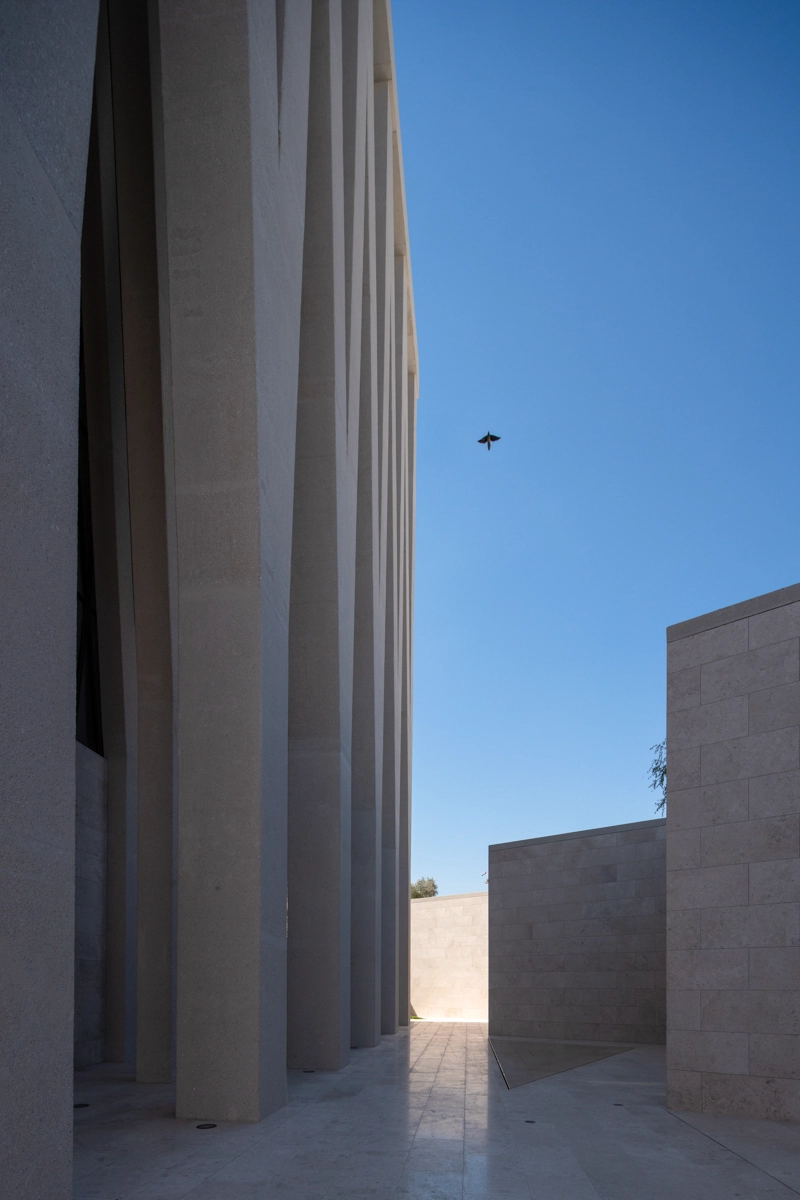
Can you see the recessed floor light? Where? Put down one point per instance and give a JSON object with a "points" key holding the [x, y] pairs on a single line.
{"points": [[207, 1125], [617, 1104], [527, 1122]]}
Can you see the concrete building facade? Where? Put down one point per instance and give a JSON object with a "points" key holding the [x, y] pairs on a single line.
{"points": [[208, 413], [577, 935], [733, 860], [450, 957]]}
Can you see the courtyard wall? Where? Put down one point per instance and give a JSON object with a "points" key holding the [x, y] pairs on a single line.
{"points": [[577, 931], [733, 858], [450, 957]]}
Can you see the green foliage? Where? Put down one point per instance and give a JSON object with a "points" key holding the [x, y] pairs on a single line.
{"points": [[425, 886], [657, 773]]}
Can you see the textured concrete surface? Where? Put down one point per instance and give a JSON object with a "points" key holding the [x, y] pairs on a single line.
{"points": [[91, 828], [450, 957], [405, 390], [733, 858], [132, 163], [390, 783], [321, 626], [230, 688], [46, 67], [370, 600], [427, 1116], [576, 935]]}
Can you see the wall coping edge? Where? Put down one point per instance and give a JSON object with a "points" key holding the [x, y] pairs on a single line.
{"points": [[454, 896], [580, 833], [734, 612]]}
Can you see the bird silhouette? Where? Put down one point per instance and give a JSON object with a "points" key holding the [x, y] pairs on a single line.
{"points": [[487, 441]]}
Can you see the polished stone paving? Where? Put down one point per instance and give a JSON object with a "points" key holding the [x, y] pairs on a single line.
{"points": [[428, 1115]]}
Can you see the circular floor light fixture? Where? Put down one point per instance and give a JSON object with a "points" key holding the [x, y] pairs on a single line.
{"points": [[207, 1125]]}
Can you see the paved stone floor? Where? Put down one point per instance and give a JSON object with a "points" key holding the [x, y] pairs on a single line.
{"points": [[427, 1115]]}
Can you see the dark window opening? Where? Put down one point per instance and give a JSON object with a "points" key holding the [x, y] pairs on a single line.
{"points": [[88, 723]]}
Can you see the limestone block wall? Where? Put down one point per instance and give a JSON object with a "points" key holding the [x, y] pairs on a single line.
{"points": [[91, 782], [577, 933], [450, 956], [733, 857]]}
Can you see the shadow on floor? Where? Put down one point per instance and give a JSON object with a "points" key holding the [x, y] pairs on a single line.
{"points": [[524, 1060]]}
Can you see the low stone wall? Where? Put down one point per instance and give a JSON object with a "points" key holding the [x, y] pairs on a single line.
{"points": [[577, 935], [733, 853], [450, 957], [90, 906]]}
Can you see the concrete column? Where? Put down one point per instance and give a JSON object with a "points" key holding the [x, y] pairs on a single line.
{"points": [[401, 699], [391, 747], [408, 701], [385, 219], [133, 158], [356, 40], [108, 472], [234, 141], [323, 579], [402, 635], [404, 847], [47, 62], [367, 748], [91, 807]]}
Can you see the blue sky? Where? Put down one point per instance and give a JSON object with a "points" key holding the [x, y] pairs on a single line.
{"points": [[603, 202]]}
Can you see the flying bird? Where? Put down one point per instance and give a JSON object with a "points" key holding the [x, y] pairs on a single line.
{"points": [[487, 441]]}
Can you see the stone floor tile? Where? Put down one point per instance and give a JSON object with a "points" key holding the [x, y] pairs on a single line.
{"points": [[431, 1185], [427, 1116], [770, 1145]]}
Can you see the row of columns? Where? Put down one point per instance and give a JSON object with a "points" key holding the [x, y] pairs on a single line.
{"points": [[267, 502], [268, 383], [238, 310]]}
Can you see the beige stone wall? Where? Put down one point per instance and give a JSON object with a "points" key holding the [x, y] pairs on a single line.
{"points": [[733, 858], [577, 935], [450, 957]]}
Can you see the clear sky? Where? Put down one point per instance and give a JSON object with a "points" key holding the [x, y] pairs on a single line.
{"points": [[604, 207]]}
